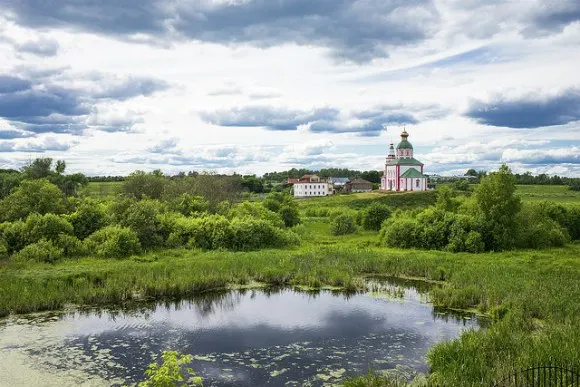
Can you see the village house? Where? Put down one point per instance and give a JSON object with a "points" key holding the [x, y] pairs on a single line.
{"points": [[358, 185], [312, 186], [402, 171]]}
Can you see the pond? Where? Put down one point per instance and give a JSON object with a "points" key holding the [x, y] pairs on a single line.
{"points": [[240, 337]]}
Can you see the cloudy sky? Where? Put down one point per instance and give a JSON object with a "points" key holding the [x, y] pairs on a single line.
{"points": [[260, 85]]}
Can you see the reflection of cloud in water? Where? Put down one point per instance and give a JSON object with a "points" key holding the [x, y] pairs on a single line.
{"points": [[254, 337]]}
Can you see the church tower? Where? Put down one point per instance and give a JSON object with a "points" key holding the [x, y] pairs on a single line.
{"points": [[402, 171]]}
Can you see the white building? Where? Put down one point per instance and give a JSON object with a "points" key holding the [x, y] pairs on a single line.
{"points": [[402, 171], [312, 186]]}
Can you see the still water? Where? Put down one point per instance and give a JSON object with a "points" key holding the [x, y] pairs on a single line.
{"points": [[279, 337]]}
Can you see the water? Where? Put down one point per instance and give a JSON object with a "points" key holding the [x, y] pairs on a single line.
{"points": [[252, 337]]}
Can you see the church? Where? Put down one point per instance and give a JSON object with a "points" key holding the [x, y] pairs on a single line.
{"points": [[402, 171]]}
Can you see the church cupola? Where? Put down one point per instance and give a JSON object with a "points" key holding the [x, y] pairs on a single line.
{"points": [[404, 149], [391, 155]]}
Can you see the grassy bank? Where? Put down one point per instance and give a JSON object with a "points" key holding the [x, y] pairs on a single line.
{"points": [[532, 295]]}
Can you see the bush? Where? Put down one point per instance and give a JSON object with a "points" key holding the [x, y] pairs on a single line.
{"points": [[210, 233], [142, 217], [32, 196], [48, 226], [342, 225], [14, 236], [251, 234], [41, 251], [188, 204], [374, 216], [290, 215], [113, 242], [256, 211], [401, 233], [88, 218], [71, 246]]}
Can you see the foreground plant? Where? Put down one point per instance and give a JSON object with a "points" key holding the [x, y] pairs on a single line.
{"points": [[171, 372]]}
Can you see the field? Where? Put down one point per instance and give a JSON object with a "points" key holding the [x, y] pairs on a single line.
{"points": [[531, 296], [553, 193], [102, 189]]}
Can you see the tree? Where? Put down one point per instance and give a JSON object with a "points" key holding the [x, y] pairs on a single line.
{"points": [[471, 172], [140, 184], [498, 206], [39, 196], [60, 167], [374, 216], [38, 169]]}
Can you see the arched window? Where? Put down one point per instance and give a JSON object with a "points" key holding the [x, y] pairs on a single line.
{"points": [[418, 183]]}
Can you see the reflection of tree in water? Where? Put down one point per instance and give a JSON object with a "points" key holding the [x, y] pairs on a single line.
{"points": [[207, 303]]}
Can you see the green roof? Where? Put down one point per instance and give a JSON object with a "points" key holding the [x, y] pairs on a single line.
{"points": [[404, 144], [413, 174], [406, 161]]}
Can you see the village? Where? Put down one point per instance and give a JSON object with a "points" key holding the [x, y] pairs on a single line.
{"points": [[402, 172]]}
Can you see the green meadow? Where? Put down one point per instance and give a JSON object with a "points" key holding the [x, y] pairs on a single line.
{"points": [[529, 295]]}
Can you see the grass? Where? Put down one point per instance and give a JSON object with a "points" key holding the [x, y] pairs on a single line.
{"points": [[530, 295], [554, 193], [102, 189]]}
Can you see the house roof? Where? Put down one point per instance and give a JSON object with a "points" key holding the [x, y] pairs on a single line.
{"points": [[292, 180], [413, 173], [404, 161], [359, 181]]}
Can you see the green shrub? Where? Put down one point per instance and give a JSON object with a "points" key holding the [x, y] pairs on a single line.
{"points": [[374, 216], [343, 225], [32, 196], [188, 204], [88, 218], [113, 242], [256, 211], [400, 232], [210, 233], [14, 236], [142, 217], [289, 215], [48, 226], [251, 234], [41, 251], [71, 246]]}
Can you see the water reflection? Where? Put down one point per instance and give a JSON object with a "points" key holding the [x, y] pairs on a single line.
{"points": [[274, 336]]}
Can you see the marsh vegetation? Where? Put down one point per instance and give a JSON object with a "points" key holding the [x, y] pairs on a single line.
{"points": [[509, 252]]}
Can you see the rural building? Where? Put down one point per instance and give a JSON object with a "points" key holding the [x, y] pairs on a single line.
{"points": [[358, 185], [312, 186], [402, 171]]}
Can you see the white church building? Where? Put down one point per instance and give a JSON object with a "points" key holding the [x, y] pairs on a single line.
{"points": [[402, 171]]}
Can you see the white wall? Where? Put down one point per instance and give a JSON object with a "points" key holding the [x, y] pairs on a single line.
{"points": [[312, 189]]}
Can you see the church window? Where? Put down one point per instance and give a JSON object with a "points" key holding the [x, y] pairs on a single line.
{"points": [[418, 183]]}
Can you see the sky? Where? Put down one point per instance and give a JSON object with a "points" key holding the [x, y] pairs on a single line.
{"points": [[252, 86]]}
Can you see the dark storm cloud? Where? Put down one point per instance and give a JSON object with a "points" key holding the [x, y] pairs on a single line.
{"points": [[11, 134], [132, 87], [370, 122], [528, 112], [37, 105], [10, 84], [41, 47], [268, 117], [357, 30], [554, 17]]}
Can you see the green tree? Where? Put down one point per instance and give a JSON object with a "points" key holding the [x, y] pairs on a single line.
{"points": [[140, 184], [88, 218], [142, 217], [39, 196], [8, 181], [498, 206], [374, 216], [446, 199], [290, 215]]}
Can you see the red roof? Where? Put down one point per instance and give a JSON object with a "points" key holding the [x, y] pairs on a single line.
{"points": [[292, 180]]}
